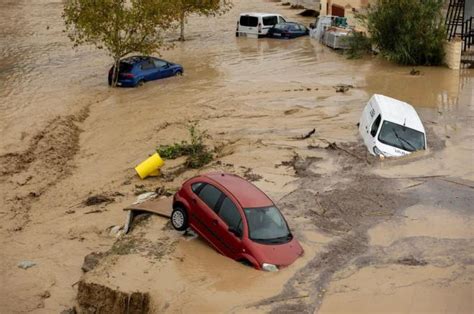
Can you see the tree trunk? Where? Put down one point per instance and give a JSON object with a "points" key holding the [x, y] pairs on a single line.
{"points": [[115, 72], [182, 18]]}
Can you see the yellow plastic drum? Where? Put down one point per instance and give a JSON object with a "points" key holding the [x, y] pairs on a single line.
{"points": [[150, 167]]}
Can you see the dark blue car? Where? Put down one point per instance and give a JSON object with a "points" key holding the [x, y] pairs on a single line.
{"points": [[288, 30], [135, 71]]}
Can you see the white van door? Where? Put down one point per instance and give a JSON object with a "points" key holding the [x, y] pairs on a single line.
{"points": [[369, 125], [373, 132], [268, 22], [248, 25]]}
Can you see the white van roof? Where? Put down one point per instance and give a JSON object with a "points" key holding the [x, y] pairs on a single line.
{"points": [[398, 112], [259, 14]]}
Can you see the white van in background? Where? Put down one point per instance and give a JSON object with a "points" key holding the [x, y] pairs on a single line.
{"points": [[256, 25], [391, 127]]}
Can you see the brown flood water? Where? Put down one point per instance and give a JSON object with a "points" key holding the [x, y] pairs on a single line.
{"points": [[71, 136]]}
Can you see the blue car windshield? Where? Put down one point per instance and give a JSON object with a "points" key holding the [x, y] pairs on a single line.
{"points": [[267, 225], [282, 26], [402, 137]]}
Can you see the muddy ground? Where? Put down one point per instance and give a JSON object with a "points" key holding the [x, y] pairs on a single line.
{"points": [[379, 235]]}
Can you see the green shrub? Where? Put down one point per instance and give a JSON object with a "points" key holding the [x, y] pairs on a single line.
{"points": [[408, 32], [359, 44], [197, 152]]}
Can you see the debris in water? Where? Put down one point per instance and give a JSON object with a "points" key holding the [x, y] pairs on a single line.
{"points": [[26, 264], [308, 135], [291, 111], [162, 191], [97, 199], [145, 197], [71, 310], [342, 88], [415, 71], [45, 295], [95, 211], [115, 231], [91, 261], [412, 261], [249, 175]]}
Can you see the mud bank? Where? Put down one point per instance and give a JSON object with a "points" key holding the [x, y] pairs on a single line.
{"points": [[93, 298]]}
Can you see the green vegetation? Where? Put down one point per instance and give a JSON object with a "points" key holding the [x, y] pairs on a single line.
{"points": [[197, 152], [119, 26], [359, 45], [407, 32], [200, 7]]}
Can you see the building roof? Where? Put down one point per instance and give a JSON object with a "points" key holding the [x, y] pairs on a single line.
{"points": [[398, 112], [247, 194]]}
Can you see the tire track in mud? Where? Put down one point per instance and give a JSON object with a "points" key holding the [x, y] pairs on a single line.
{"points": [[26, 175], [348, 210], [345, 213]]}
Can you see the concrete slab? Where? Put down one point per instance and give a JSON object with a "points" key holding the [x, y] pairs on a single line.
{"points": [[160, 206]]}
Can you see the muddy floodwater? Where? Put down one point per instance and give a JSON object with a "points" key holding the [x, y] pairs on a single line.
{"points": [[380, 236]]}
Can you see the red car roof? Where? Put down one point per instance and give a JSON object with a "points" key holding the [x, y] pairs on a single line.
{"points": [[247, 194]]}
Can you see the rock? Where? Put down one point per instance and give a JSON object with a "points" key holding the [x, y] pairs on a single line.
{"points": [[96, 298], [91, 260], [26, 264]]}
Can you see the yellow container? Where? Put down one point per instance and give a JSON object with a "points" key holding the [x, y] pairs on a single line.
{"points": [[150, 167]]}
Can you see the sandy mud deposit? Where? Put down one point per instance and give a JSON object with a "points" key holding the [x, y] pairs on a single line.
{"points": [[379, 235]]}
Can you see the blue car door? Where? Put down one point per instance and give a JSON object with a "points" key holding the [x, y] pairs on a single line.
{"points": [[163, 68], [148, 70]]}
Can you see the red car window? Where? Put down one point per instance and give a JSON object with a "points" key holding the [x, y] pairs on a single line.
{"points": [[196, 187], [230, 214], [210, 195]]}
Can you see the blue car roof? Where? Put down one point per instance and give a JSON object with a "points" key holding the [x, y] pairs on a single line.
{"points": [[136, 59]]}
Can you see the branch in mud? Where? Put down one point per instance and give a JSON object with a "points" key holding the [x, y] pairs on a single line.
{"points": [[334, 146]]}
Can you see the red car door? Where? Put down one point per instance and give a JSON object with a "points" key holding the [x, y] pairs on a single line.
{"points": [[229, 217], [205, 217]]}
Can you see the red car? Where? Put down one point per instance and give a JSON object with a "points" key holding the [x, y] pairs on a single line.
{"points": [[237, 219]]}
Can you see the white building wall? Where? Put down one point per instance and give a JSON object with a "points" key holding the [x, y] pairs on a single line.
{"points": [[308, 4]]}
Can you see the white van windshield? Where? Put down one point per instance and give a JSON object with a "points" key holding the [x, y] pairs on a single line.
{"points": [[401, 137], [248, 21]]}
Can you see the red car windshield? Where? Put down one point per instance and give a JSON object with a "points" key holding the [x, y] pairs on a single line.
{"points": [[267, 225]]}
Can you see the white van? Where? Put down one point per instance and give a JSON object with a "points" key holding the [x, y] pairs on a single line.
{"points": [[391, 127], [257, 24]]}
